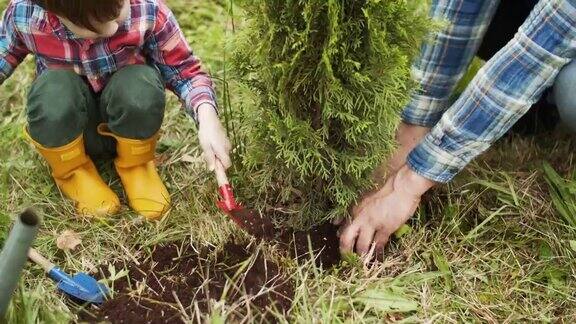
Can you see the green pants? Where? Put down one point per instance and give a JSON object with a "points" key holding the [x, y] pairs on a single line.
{"points": [[61, 106]]}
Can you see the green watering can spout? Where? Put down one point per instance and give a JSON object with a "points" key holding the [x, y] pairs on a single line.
{"points": [[14, 255]]}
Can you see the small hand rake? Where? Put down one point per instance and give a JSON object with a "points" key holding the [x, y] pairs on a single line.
{"points": [[81, 287]]}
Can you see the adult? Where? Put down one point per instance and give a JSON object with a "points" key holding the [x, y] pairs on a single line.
{"points": [[436, 139]]}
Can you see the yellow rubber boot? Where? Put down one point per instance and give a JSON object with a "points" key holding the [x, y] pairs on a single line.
{"points": [[78, 178], [135, 165]]}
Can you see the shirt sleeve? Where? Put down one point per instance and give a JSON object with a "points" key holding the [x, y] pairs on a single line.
{"points": [[180, 69], [504, 89], [12, 48], [443, 59]]}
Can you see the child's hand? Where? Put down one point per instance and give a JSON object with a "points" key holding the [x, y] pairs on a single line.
{"points": [[212, 137]]}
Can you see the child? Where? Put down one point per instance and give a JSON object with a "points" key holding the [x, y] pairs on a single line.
{"points": [[102, 67]]}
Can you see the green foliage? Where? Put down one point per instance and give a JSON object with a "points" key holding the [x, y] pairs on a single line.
{"points": [[28, 306], [325, 83], [563, 194], [4, 227]]}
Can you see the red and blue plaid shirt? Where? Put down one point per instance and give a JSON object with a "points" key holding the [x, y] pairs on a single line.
{"points": [[150, 35]]}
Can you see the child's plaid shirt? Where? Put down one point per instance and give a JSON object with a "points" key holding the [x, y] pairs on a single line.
{"points": [[501, 93], [150, 35]]}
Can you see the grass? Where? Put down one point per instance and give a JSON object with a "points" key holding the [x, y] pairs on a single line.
{"points": [[489, 247]]}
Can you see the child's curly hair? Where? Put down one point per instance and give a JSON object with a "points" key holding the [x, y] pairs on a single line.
{"points": [[83, 12]]}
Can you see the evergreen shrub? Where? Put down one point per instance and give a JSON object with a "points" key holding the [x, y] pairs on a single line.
{"points": [[322, 84]]}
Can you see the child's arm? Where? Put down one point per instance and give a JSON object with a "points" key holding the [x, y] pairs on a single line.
{"points": [[12, 49], [183, 74]]}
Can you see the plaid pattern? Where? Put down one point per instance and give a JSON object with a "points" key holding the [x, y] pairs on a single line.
{"points": [[150, 35], [504, 89], [444, 59]]}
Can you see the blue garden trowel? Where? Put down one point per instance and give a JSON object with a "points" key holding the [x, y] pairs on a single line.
{"points": [[81, 287]]}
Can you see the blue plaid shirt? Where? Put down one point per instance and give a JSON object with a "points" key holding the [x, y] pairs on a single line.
{"points": [[504, 89]]}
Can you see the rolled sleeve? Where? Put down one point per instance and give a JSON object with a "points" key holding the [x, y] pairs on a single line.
{"points": [[432, 162], [424, 111], [504, 89], [195, 96], [443, 60]]}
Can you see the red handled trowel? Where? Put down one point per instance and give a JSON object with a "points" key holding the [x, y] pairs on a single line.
{"points": [[249, 220]]}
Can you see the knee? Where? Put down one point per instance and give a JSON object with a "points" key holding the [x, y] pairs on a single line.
{"points": [[136, 96], [145, 113], [564, 93], [57, 103]]}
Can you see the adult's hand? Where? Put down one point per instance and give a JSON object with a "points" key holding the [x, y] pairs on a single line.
{"points": [[408, 137], [379, 215]]}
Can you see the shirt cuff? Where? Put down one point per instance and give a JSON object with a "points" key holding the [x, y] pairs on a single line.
{"points": [[424, 111], [433, 162], [197, 99]]}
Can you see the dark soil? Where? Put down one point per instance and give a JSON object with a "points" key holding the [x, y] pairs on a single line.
{"points": [[321, 243], [177, 278], [184, 279], [253, 223]]}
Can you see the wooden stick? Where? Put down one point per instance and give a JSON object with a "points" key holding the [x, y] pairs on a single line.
{"points": [[221, 174], [37, 258]]}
